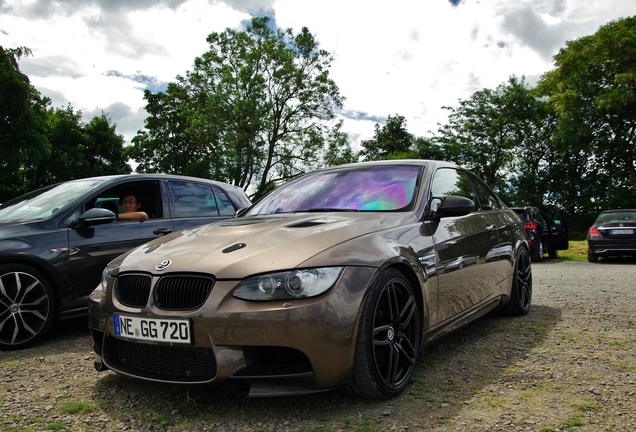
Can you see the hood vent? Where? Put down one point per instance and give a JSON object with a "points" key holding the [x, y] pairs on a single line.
{"points": [[306, 224]]}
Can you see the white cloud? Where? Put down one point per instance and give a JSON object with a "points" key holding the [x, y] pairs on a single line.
{"points": [[407, 57]]}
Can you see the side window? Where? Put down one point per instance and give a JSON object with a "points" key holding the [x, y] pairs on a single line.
{"points": [[487, 198], [225, 206], [449, 181], [146, 193], [193, 199]]}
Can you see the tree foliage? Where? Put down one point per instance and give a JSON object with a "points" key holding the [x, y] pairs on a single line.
{"points": [[42, 145], [593, 92], [255, 110], [79, 149], [23, 140], [503, 136], [392, 140]]}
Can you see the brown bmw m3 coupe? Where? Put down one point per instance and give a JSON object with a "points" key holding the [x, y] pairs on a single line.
{"points": [[336, 279]]}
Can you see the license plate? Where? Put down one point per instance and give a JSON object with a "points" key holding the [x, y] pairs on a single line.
{"points": [[621, 231], [152, 329]]}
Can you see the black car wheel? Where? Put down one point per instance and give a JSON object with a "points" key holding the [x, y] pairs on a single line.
{"points": [[521, 293], [388, 338], [537, 253], [591, 257], [27, 306]]}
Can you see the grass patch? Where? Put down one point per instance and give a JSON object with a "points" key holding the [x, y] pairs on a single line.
{"points": [[588, 407], [576, 252], [623, 366], [315, 429], [78, 407], [361, 424]]}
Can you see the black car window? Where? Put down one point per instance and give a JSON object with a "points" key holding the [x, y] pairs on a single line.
{"points": [[452, 182], [147, 192], [223, 203], [486, 197], [197, 199]]}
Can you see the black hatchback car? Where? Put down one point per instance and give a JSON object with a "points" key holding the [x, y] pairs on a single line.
{"points": [[55, 241], [613, 234], [544, 235]]}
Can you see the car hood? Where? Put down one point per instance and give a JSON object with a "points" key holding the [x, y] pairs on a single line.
{"points": [[240, 247], [9, 230]]}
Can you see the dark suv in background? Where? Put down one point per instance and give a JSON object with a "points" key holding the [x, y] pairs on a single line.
{"points": [[544, 235]]}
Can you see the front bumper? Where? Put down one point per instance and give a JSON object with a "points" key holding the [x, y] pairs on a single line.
{"points": [[293, 345]]}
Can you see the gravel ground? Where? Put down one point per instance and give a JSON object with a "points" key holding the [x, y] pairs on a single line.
{"points": [[569, 365]]}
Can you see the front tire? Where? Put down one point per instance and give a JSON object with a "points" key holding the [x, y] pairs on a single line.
{"points": [[388, 338], [27, 306], [521, 292]]}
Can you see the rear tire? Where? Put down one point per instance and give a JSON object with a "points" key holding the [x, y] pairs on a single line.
{"points": [[388, 338], [521, 292], [537, 254], [592, 257], [27, 306]]}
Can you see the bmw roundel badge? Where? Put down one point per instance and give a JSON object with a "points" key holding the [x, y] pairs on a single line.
{"points": [[163, 265]]}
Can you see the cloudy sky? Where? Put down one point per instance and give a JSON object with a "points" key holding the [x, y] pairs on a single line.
{"points": [[406, 57]]}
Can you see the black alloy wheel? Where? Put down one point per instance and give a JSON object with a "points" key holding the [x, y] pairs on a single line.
{"points": [[388, 339], [521, 293], [26, 306]]}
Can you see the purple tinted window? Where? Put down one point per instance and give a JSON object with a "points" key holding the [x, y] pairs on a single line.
{"points": [[377, 188]]}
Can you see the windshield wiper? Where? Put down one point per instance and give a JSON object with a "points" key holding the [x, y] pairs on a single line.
{"points": [[327, 209]]}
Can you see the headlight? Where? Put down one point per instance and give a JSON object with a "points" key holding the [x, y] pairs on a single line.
{"points": [[288, 285], [104, 279]]}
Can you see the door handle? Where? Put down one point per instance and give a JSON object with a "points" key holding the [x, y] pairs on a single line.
{"points": [[162, 231]]}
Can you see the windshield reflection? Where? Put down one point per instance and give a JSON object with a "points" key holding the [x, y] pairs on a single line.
{"points": [[379, 188], [44, 203]]}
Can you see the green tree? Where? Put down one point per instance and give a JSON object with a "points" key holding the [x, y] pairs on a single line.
{"points": [[338, 151], [390, 141], [426, 148], [105, 155], [78, 149], [23, 140], [593, 92], [169, 143], [501, 135], [254, 110]]}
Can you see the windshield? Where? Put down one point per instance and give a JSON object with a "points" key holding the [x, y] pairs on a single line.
{"points": [[44, 203], [363, 188], [624, 216]]}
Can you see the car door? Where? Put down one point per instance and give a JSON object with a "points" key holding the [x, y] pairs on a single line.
{"points": [[559, 230], [465, 275], [194, 204], [504, 223], [92, 247]]}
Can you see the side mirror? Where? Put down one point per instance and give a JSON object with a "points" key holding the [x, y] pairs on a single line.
{"points": [[452, 206], [94, 216]]}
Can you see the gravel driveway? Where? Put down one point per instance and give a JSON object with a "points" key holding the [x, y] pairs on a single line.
{"points": [[569, 365]]}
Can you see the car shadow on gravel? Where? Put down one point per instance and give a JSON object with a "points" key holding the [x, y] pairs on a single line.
{"points": [[449, 374], [64, 337]]}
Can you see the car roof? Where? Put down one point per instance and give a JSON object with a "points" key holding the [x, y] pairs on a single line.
{"points": [[155, 176], [524, 208], [618, 211]]}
